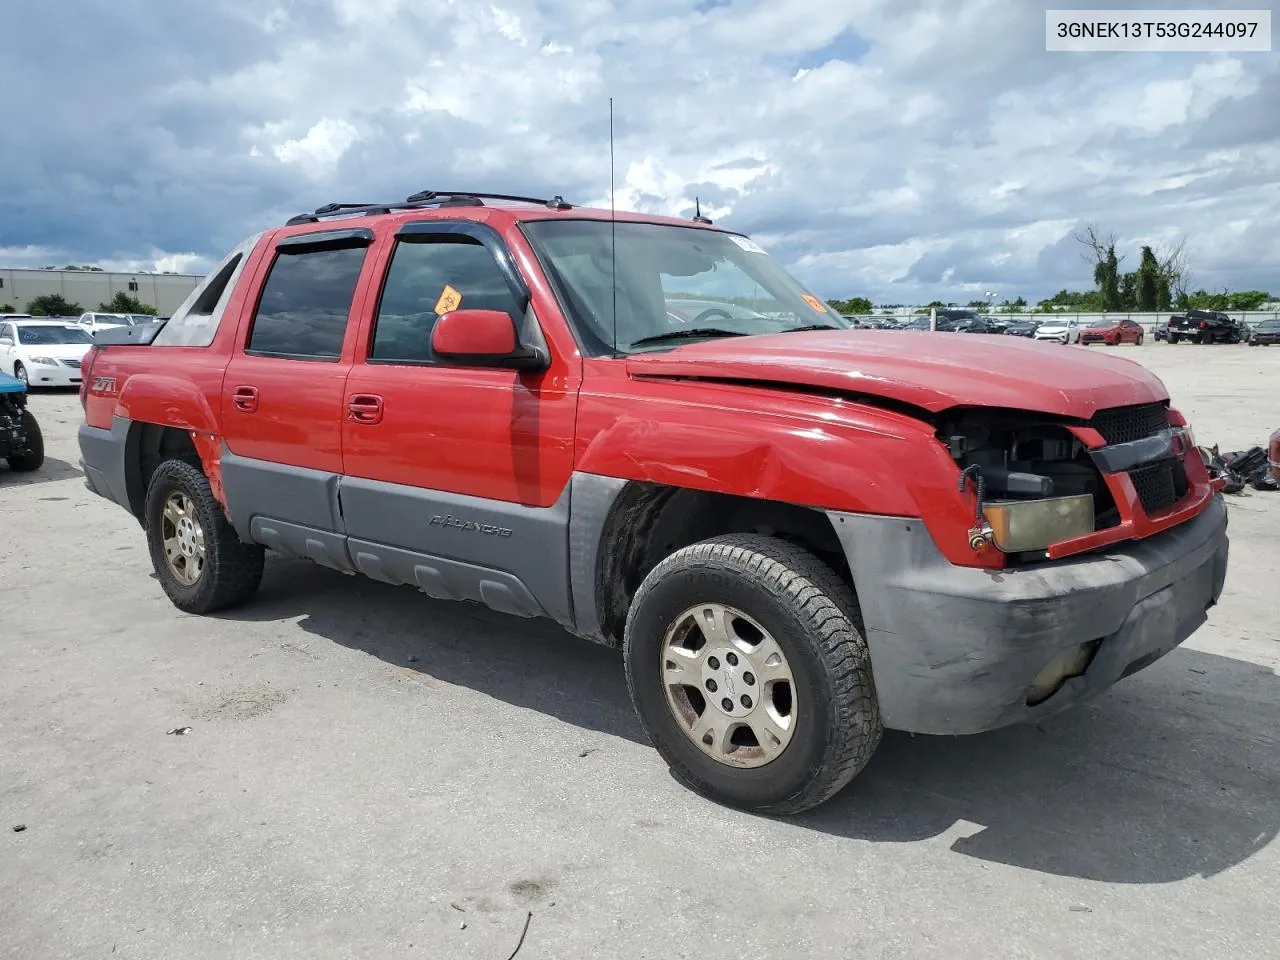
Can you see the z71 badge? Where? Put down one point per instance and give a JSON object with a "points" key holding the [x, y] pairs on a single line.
{"points": [[104, 385]]}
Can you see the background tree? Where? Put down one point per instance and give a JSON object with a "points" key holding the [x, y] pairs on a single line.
{"points": [[7, 308], [53, 305], [854, 305], [123, 303], [1150, 287]]}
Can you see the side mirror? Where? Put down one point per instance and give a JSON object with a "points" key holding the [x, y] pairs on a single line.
{"points": [[483, 338], [5, 342]]}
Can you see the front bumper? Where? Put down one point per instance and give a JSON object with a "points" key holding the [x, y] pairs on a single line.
{"points": [[1053, 337], [954, 650], [59, 376]]}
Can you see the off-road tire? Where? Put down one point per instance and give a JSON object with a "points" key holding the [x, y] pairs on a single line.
{"points": [[814, 617], [232, 569], [33, 457]]}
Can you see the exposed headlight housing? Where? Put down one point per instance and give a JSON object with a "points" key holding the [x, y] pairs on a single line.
{"points": [[44, 361], [1020, 526]]}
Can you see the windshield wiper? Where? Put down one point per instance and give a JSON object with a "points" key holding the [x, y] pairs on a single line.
{"points": [[811, 326], [687, 335]]}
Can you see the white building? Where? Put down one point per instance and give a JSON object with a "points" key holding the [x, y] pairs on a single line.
{"points": [[88, 288]]}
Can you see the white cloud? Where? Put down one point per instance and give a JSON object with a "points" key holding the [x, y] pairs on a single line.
{"points": [[320, 149], [902, 149]]}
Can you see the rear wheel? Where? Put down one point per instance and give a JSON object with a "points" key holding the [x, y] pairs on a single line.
{"points": [[32, 455], [748, 668], [1173, 338], [201, 563]]}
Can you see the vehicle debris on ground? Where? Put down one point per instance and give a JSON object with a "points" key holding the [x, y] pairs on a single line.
{"points": [[1243, 468]]}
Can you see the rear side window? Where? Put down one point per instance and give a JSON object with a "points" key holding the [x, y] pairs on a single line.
{"points": [[196, 321], [306, 300], [427, 278]]}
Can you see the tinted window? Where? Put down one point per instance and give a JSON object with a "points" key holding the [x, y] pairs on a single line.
{"points": [[305, 302], [417, 283]]}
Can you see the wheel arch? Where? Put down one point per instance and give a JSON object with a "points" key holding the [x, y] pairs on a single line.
{"points": [[147, 445], [647, 522]]}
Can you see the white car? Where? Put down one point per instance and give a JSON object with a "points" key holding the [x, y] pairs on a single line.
{"points": [[1060, 331], [43, 353], [94, 321]]}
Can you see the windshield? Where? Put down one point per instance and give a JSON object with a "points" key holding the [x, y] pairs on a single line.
{"points": [[52, 335], [1104, 323], [1269, 325], [671, 281]]}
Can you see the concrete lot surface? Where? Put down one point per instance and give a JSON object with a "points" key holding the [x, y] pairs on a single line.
{"points": [[373, 774]]}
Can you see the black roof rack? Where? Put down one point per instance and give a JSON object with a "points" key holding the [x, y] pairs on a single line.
{"points": [[422, 199]]}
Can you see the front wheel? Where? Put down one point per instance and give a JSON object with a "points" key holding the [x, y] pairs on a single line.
{"points": [[1138, 341], [32, 455], [747, 665], [201, 563], [20, 372]]}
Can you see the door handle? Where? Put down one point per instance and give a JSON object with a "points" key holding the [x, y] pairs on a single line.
{"points": [[245, 399], [364, 408]]}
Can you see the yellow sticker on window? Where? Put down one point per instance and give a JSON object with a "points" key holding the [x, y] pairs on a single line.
{"points": [[814, 302], [449, 300]]}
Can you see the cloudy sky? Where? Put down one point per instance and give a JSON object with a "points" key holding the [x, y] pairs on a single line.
{"points": [[904, 150]]}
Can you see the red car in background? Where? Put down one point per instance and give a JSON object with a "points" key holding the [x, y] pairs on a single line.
{"points": [[1273, 455], [1112, 332]]}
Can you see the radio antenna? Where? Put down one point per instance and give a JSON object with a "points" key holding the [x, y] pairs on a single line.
{"points": [[613, 232]]}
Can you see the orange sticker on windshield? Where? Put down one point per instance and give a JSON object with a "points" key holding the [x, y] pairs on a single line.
{"points": [[449, 300], [814, 302]]}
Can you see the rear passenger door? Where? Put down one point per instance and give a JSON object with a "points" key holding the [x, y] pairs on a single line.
{"points": [[282, 395]]}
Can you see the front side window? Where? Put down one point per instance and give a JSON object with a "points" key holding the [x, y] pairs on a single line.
{"points": [[306, 300], [427, 278], [673, 284]]}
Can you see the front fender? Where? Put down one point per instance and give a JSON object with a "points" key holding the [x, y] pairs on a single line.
{"points": [[810, 464], [820, 453]]}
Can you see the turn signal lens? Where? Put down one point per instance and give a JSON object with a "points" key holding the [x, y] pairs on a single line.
{"points": [[1023, 525]]}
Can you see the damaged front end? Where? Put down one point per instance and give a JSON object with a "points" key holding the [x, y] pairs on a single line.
{"points": [[1045, 487]]}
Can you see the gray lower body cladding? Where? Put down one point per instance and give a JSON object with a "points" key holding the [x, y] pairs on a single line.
{"points": [[955, 650]]}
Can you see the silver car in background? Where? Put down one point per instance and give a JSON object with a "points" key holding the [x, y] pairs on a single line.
{"points": [[1060, 331]]}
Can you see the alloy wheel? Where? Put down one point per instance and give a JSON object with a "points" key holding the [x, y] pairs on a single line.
{"points": [[183, 538], [729, 685]]}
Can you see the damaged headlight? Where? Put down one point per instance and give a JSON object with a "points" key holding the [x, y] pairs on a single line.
{"points": [[1018, 526]]}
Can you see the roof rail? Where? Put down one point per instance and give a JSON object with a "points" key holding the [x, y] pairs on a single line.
{"points": [[419, 200]]}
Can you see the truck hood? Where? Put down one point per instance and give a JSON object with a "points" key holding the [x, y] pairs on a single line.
{"points": [[932, 371]]}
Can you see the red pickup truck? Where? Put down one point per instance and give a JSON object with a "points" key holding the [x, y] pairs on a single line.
{"points": [[643, 428]]}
